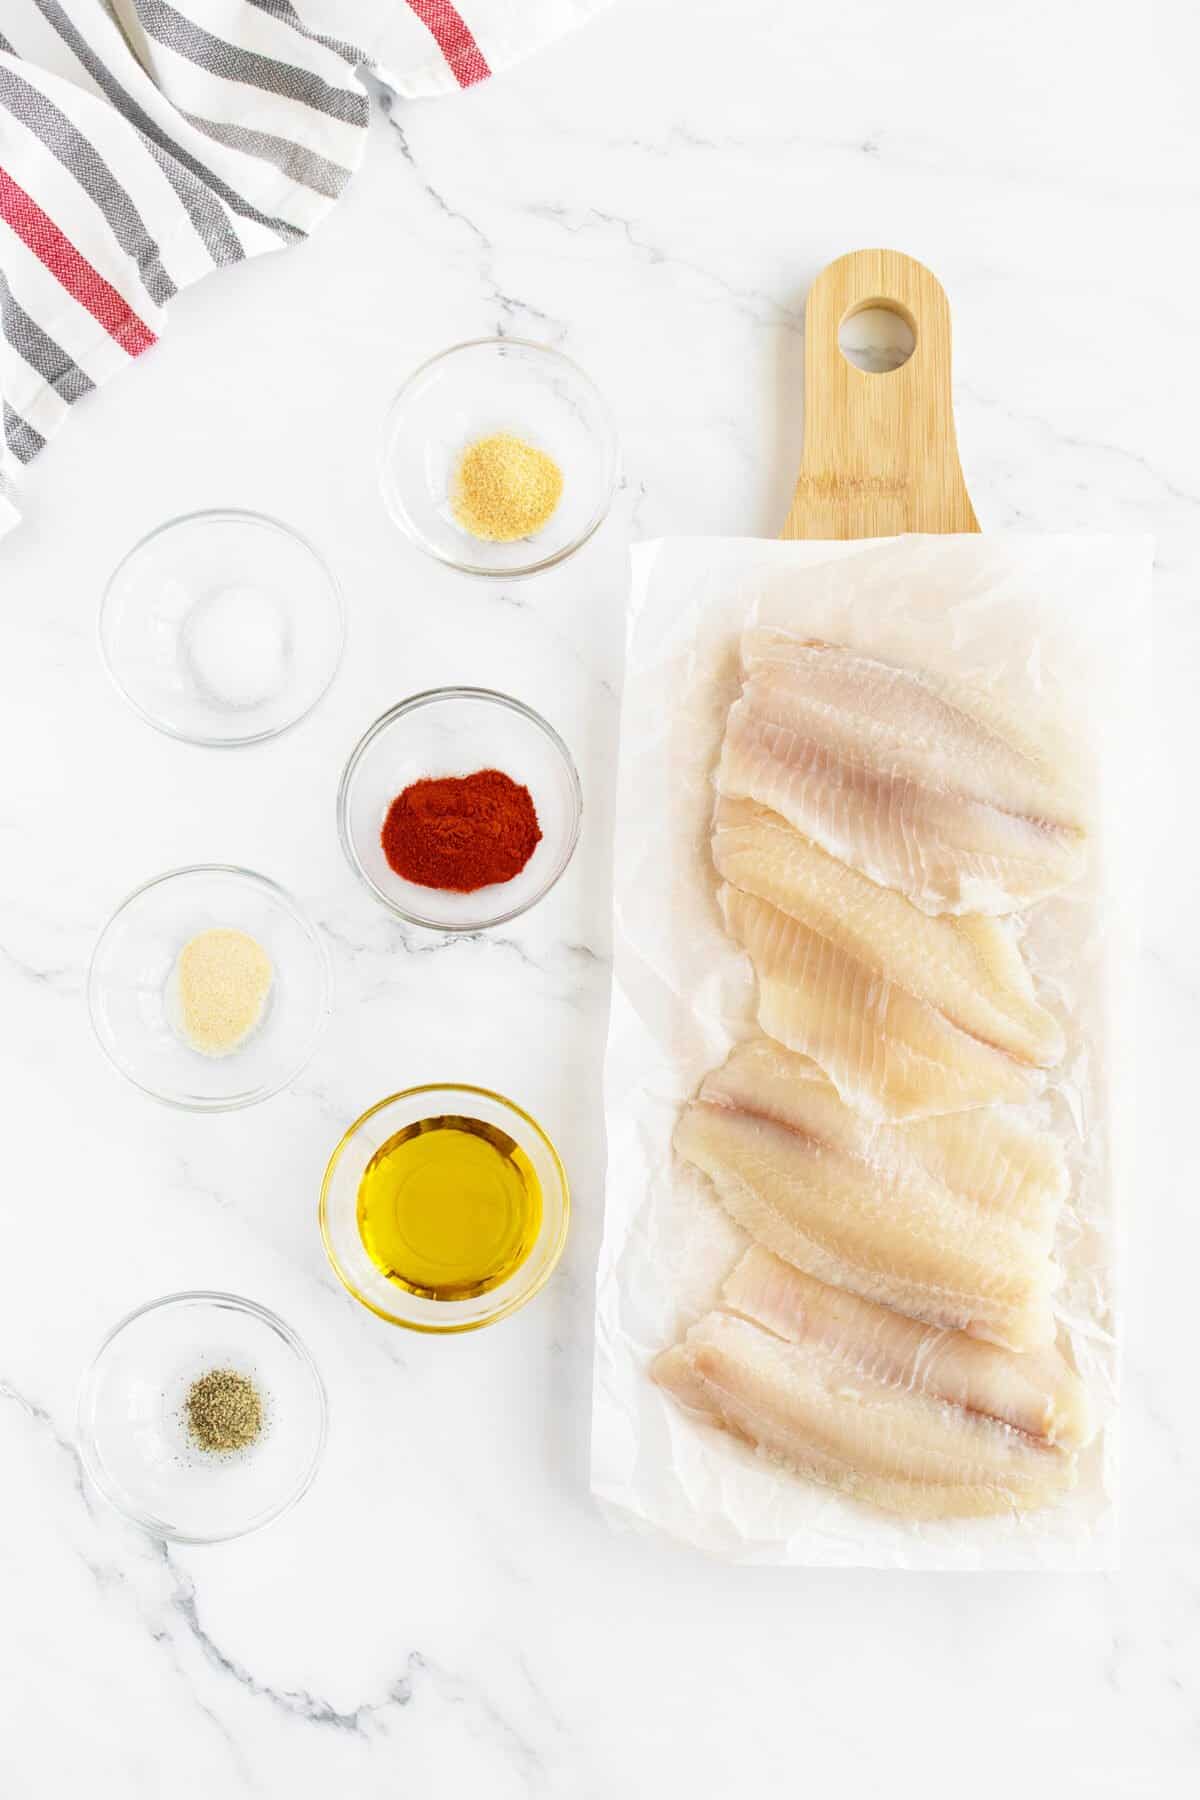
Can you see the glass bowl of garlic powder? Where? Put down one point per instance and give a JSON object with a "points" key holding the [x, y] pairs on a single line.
{"points": [[499, 457], [209, 988]]}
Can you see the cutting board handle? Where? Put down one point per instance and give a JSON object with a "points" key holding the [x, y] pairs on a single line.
{"points": [[880, 450]]}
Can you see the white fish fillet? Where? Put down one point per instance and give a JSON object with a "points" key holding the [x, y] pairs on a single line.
{"points": [[1036, 1393], [950, 1220], [857, 936], [812, 1402], [924, 786], [888, 1052]]}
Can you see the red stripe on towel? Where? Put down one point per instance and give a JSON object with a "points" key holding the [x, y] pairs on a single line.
{"points": [[38, 231], [452, 35]]}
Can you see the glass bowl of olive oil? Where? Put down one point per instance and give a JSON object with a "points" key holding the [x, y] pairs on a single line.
{"points": [[444, 1208]]}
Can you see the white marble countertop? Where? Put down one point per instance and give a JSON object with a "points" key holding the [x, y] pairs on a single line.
{"points": [[446, 1614]]}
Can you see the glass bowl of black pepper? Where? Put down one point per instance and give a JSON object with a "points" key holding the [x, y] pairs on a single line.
{"points": [[201, 1418]]}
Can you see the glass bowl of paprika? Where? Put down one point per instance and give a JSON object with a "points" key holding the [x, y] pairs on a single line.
{"points": [[459, 809]]}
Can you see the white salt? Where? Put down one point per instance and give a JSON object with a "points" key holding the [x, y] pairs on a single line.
{"points": [[235, 642]]}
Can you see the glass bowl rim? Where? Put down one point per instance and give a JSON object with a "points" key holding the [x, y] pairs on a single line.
{"points": [[211, 514], [517, 1301], [312, 931], [399, 513], [428, 697], [85, 1441]]}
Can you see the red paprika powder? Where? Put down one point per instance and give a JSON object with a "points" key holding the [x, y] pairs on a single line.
{"points": [[461, 831]]}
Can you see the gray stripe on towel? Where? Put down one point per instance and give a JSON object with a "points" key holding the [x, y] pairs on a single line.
{"points": [[22, 439], [38, 348], [286, 13], [200, 194], [299, 165], [194, 189], [79, 156], [227, 61]]}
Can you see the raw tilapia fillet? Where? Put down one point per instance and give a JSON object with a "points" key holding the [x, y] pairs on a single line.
{"points": [[950, 1220], [926, 1424], [893, 1056], [1036, 1393], [927, 787], [909, 1014]]}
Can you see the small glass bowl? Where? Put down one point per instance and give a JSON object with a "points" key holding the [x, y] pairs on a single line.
{"points": [[130, 994], [170, 642], [471, 391], [456, 731], [132, 1433], [339, 1209]]}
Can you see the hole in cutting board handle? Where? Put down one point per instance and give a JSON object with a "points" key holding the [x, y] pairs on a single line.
{"points": [[877, 336]]}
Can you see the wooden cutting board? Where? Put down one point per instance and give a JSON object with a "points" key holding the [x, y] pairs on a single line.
{"points": [[880, 452]]}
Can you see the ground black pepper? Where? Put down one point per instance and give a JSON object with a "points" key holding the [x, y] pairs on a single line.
{"points": [[224, 1411]]}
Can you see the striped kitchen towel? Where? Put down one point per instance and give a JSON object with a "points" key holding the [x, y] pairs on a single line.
{"points": [[146, 142]]}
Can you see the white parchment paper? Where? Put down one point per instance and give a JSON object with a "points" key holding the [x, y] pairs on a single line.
{"points": [[1058, 623]]}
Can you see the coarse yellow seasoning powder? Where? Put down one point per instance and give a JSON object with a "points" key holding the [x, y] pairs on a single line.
{"points": [[224, 979], [505, 489]]}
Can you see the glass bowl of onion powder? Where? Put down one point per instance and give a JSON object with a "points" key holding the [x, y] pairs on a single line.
{"points": [[209, 988], [499, 457], [202, 1417]]}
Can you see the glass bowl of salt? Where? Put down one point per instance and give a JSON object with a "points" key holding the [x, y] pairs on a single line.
{"points": [[222, 628]]}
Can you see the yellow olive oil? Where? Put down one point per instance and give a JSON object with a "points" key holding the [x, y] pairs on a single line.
{"points": [[449, 1208]]}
